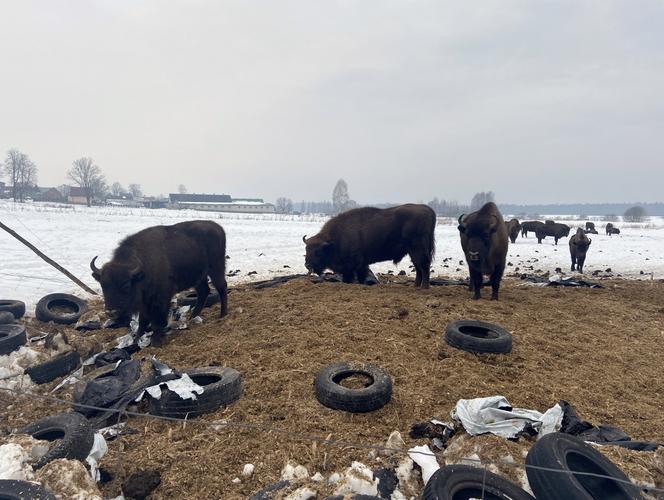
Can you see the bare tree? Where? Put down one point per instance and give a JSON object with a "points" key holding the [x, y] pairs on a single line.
{"points": [[340, 196], [22, 173], [635, 214], [480, 199], [117, 190], [88, 176], [284, 205], [182, 189], [135, 190]]}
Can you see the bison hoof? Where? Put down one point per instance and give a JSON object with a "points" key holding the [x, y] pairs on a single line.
{"points": [[476, 297], [494, 297]]}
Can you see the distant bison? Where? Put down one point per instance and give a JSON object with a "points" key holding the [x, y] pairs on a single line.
{"points": [[530, 226], [578, 247], [513, 229], [609, 227], [484, 242], [149, 267], [554, 229], [590, 231], [351, 241], [614, 230], [590, 226]]}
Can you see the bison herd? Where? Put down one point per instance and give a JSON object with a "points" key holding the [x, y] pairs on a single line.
{"points": [[151, 266]]}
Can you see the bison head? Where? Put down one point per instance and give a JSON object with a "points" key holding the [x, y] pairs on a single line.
{"points": [[119, 282], [318, 254], [476, 238]]}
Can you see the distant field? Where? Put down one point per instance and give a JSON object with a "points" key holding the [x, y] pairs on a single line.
{"points": [[270, 245]]}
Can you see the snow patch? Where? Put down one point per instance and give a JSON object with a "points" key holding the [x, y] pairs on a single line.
{"points": [[358, 479], [292, 472], [303, 493]]}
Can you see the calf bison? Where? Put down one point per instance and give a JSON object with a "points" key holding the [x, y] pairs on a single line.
{"points": [[484, 242], [553, 229], [149, 267], [578, 247], [513, 229], [530, 226], [351, 241]]}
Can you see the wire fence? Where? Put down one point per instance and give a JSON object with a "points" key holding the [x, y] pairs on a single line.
{"points": [[219, 425]]}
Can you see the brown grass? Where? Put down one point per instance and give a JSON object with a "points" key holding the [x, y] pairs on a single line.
{"points": [[599, 349]]}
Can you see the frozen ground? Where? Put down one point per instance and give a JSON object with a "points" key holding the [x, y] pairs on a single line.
{"points": [[270, 245]]}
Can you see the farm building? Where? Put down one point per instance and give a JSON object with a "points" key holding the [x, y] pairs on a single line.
{"points": [[220, 203], [77, 196]]}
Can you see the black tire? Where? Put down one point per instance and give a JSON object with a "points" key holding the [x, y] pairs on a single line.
{"points": [[60, 365], [11, 489], [72, 431], [270, 491], [478, 336], [190, 297], [223, 386], [372, 397], [464, 482], [565, 452], [44, 310], [11, 338], [16, 307], [6, 318]]}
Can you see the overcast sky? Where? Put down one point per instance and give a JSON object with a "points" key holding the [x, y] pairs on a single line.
{"points": [[539, 101]]}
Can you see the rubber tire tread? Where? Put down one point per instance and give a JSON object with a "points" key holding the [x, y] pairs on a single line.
{"points": [[367, 399], [221, 393], [57, 366], [13, 337], [447, 481], [22, 490], [185, 300], [76, 443], [16, 307], [502, 344], [552, 450]]}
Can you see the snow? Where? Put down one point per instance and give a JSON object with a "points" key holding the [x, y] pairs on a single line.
{"points": [[265, 243], [12, 366], [15, 462]]}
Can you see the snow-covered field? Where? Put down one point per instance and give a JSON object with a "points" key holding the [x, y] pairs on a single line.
{"points": [[268, 244]]}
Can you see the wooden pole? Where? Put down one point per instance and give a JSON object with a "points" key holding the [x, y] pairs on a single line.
{"points": [[48, 259]]}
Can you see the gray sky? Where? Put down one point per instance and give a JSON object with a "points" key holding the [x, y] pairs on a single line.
{"points": [[539, 101]]}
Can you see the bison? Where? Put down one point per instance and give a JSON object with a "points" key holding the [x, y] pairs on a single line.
{"points": [[578, 247], [530, 226], [553, 229], [351, 241], [614, 230], [609, 226], [149, 267], [484, 242], [513, 229], [590, 226]]}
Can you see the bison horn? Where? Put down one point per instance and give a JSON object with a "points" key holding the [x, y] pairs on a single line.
{"points": [[461, 217], [304, 239], [94, 268]]}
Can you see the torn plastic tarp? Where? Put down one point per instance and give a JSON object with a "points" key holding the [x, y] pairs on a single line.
{"points": [[602, 434], [182, 386], [495, 415], [99, 449], [557, 280], [424, 457]]}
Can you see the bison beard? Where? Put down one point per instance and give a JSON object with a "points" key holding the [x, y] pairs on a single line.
{"points": [[351, 241], [484, 242], [151, 266], [578, 247]]}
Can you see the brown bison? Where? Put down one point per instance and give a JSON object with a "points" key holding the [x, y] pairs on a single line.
{"points": [[578, 247], [351, 241], [552, 229], [530, 226], [149, 267], [484, 242], [513, 229]]}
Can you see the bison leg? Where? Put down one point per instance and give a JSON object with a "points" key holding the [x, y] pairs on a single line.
{"points": [[348, 276], [476, 279], [202, 292], [218, 277], [579, 264], [418, 276], [496, 276], [362, 274], [422, 262]]}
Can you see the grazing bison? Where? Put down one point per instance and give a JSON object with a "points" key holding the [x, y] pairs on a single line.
{"points": [[149, 267], [513, 229], [590, 231], [351, 241], [530, 226], [554, 229], [614, 230], [590, 226], [578, 247], [609, 226], [484, 242]]}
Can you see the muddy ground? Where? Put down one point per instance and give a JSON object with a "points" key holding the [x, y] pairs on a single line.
{"points": [[599, 349]]}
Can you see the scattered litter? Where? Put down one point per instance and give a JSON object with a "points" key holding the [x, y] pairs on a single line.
{"points": [[424, 457], [99, 449], [434, 429], [394, 442], [557, 280], [182, 386]]}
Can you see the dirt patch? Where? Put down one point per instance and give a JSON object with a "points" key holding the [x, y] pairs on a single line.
{"points": [[599, 349]]}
